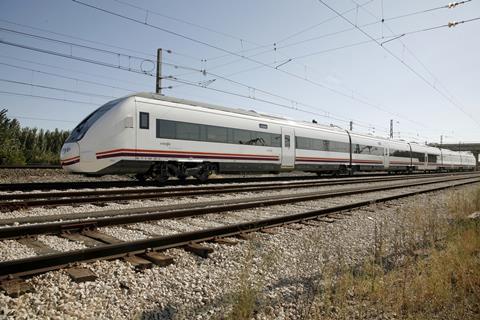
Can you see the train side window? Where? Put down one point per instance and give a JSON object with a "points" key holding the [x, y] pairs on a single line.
{"points": [[287, 141], [187, 131], [276, 140], [144, 120], [166, 129], [241, 136], [216, 134]]}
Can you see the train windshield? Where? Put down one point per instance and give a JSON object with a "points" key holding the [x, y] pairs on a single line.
{"points": [[80, 130]]}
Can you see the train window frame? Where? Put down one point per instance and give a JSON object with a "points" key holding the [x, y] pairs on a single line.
{"points": [[144, 123]]}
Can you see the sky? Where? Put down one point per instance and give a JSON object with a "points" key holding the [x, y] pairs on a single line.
{"points": [[332, 61]]}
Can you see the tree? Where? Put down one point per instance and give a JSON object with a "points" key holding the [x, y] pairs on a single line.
{"points": [[19, 145]]}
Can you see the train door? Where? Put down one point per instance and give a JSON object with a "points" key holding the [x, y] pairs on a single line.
{"points": [[143, 127], [288, 148]]}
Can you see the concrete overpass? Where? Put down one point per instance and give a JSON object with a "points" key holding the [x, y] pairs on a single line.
{"points": [[470, 146]]}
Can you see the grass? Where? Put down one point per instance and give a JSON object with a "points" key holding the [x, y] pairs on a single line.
{"points": [[432, 271], [246, 300], [428, 267]]}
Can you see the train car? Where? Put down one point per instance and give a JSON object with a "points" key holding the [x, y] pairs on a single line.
{"points": [[399, 156], [467, 161], [425, 158], [158, 137]]}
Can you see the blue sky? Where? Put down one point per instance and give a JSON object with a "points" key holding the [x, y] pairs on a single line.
{"points": [[287, 56]]}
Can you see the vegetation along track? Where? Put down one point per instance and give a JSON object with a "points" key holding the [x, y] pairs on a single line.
{"points": [[144, 248], [25, 200]]}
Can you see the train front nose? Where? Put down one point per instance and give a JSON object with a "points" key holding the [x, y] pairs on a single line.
{"points": [[70, 157]]}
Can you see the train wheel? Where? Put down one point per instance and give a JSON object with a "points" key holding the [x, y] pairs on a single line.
{"points": [[202, 177], [159, 173]]}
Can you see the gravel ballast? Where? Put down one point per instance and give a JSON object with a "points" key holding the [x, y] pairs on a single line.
{"points": [[197, 288]]}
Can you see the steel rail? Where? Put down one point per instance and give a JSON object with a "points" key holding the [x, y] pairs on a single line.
{"points": [[64, 185], [204, 208], [31, 166], [11, 201], [40, 264]]}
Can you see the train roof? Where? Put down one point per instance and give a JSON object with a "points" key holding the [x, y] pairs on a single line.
{"points": [[151, 95]]}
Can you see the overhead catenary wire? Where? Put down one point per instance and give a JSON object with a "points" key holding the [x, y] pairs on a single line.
{"points": [[448, 6], [47, 97], [276, 46], [90, 94], [299, 77], [450, 99], [74, 57], [293, 101], [40, 119], [446, 25], [259, 99], [390, 38], [222, 33], [402, 62], [102, 76], [105, 64], [65, 77], [436, 82], [146, 54]]}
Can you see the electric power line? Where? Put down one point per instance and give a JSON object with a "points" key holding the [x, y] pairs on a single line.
{"points": [[402, 62], [258, 99], [90, 94], [41, 119], [65, 77], [70, 70], [47, 97], [96, 42], [346, 95], [105, 64]]}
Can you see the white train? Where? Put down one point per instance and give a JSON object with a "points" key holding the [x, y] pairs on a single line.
{"points": [[158, 137]]}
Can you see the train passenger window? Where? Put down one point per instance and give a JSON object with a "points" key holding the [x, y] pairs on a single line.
{"points": [[241, 136], [276, 140], [326, 145], [144, 120], [216, 134], [187, 131], [287, 141], [166, 129], [261, 139], [317, 144]]}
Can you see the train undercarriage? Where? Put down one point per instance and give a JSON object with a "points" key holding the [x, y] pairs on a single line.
{"points": [[162, 171]]}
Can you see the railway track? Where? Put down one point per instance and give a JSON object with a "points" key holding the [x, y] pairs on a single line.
{"points": [[26, 200], [31, 186], [64, 185], [102, 246], [31, 166]]}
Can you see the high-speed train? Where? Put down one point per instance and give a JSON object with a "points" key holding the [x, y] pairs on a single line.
{"points": [[158, 137]]}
